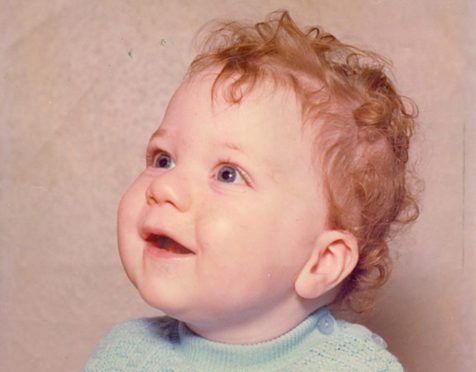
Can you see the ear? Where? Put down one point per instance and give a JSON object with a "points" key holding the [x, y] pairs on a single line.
{"points": [[333, 258]]}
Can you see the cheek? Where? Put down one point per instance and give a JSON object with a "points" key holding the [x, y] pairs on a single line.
{"points": [[247, 259], [129, 210], [133, 201], [244, 238], [228, 226], [229, 243], [128, 217]]}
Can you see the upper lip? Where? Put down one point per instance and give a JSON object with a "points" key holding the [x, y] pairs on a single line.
{"points": [[149, 231]]}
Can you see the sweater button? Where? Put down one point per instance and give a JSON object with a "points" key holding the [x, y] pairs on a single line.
{"points": [[325, 323], [379, 341]]}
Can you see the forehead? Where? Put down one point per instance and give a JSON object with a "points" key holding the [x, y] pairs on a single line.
{"points": [[266, 113]]}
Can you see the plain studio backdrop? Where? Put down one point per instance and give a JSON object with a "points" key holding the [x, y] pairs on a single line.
{"points": [[84, 83]]}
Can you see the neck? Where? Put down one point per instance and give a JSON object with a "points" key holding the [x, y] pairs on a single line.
{"points": [[258, 326]]}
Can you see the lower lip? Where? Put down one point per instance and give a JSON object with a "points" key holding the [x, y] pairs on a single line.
{"points": [[157, 253]]}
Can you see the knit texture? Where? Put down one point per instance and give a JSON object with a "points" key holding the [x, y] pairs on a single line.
{"points": [[319, 343]]}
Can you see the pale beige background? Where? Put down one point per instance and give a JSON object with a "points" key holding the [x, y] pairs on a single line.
{"points": [[83, 83]]}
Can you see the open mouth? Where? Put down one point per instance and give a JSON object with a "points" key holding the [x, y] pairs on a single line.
{"points": [[165, 243]]}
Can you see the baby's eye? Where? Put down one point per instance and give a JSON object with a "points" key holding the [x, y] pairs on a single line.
{"points": [[162, 160], [229, 174]]}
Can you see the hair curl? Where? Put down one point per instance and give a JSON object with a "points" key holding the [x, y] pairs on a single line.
{"points": [[363, 135]]}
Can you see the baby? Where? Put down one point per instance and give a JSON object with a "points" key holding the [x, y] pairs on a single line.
{"points": [[270, 190]]}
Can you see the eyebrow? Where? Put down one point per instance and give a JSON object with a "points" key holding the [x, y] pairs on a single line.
{"points": [[232, 146], [162, 132]]}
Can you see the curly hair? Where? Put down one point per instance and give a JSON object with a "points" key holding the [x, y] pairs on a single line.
{"points": [[364, 128]]}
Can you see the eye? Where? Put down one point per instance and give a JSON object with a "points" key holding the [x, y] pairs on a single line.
{"points": [[229, 174], [163, 160]]}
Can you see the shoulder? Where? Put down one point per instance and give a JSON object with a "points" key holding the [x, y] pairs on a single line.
{"points": [[128, 344], [344, 346]]}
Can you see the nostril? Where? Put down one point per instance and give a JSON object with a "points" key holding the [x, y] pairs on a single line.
{"points": [[150, 198]]}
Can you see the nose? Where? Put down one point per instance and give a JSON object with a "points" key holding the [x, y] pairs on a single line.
{"points": [[169, 188]]}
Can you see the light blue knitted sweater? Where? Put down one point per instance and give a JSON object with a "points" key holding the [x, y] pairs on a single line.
{"points": [[319, 343]]}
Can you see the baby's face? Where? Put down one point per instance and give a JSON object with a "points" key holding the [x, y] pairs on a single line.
{"points": [[217, 227]]}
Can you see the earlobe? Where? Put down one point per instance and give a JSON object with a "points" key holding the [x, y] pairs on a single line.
{"points": [[333, 258]]}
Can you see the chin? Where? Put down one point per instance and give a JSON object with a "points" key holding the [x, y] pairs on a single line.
{"points": [[166, 304]]}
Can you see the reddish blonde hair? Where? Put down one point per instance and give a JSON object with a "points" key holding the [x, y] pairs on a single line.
{"points": [[363, 127]]}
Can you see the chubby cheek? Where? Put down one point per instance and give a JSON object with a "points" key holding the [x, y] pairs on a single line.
{"points": [[240, 248], [128, 216]]}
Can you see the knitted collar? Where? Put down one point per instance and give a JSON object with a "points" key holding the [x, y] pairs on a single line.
{"points": [[221, 355]]}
